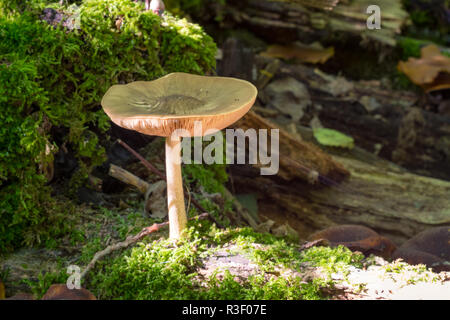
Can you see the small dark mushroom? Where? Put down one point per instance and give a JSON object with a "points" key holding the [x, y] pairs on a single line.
{"points": [[357, 238], [61, 292], [430, 247]]}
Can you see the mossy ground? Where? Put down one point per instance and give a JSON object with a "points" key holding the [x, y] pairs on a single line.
{"points": [[159, 268]]}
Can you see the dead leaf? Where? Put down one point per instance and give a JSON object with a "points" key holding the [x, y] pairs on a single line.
{"points": [[62, 292], [356, 238], [289, 96], [431, 71], [370, 103], [302, 53], [430, 247], [336, 86]]}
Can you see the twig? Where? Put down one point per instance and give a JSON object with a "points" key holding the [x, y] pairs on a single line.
{"points": [[153, 169], [128, 178], [142, 159], [129, 241]]}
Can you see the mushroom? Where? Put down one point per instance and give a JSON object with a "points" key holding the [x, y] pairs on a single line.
{"points": [[430, 247], [171, 107], [62, 292], [357, 238]]}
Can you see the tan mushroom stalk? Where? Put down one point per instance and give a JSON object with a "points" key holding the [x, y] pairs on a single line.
{"points": [[175, 195], [171, 107]]}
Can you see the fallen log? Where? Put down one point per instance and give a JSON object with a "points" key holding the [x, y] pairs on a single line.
{"points": [[288, 21], [298, 159], [381, 118], [378, 194]]}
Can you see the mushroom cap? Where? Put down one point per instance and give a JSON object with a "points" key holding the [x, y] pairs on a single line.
{"points": [[177, 101], [344, 233], [61, 292], [357, 238], [430, 247]]}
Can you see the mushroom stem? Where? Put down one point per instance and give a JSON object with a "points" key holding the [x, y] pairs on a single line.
{"points": [[175, 196]]}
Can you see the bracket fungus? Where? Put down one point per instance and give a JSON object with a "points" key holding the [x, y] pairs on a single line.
{"points": [[171, 107]]}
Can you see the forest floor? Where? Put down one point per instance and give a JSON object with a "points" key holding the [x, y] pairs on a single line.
{"points": [[231, 263], [389, 127], [107, 218]]}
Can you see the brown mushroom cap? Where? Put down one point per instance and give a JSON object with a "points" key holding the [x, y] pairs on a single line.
{"points": [[61, 292], [357, 238], [344, 233], [430, 247], [176, 101]]}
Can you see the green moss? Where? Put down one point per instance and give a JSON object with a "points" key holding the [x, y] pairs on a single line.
{"points": [[410, 47], [257, 288], [53, 77], [210, 177], [44, 280], [158, 268], [163, 269]]}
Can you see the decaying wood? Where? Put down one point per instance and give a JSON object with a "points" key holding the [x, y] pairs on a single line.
{"points": [[296, 20], [298, 159], [395, 203], [380, 195], [412, 137], [265, 75], [128, 178]]}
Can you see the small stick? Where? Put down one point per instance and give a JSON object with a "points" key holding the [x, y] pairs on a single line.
{"points": [[129, 241], [128, 178], [142, 159], [153, 169]]}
